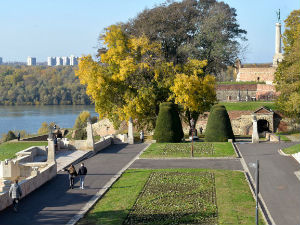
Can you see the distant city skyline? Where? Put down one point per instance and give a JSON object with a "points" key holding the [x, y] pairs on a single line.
{"points": [[60, 28]]}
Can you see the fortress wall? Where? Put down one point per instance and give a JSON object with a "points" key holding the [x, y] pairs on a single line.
{"points": [[252, 74]]}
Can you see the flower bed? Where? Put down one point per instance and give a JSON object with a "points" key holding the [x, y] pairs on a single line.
{"points": [[201, 149], [176, 198]]}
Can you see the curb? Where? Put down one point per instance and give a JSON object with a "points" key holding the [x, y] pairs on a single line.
{"points": [[102, 191], [194, 158], [262, 205]]}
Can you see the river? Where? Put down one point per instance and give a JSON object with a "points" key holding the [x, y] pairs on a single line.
{"points": [[30, 118]]}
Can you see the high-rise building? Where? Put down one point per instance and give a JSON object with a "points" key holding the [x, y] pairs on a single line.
{"points": [[31, 61], [59, 61], [51, 61], [73, 60], [66, 60], [0, 60]]}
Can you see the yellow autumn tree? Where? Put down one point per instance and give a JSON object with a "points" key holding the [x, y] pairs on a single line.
{"points": [[131, 78], [194, 90], [126, 81]]}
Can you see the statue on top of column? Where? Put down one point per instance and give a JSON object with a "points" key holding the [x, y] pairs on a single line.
{"points": [[278, 15]]}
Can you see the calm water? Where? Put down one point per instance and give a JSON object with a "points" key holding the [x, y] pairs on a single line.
{"points": [[30, 118]]}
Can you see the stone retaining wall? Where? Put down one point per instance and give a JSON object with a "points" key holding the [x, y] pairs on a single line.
{"points": [[30, 184]]}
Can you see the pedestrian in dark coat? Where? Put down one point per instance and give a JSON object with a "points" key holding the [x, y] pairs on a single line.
{"points": [[15, 193], [72, 174], [82, 173]]}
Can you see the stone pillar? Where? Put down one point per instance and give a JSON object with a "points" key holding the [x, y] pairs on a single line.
{"points": [[51, 151], [255, 137], [278, 53], [4, 184], [130, 132], [90, 137]]}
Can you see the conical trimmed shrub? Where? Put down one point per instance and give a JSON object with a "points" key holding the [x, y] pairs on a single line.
{"points": [[218, 128], [168, 125]]}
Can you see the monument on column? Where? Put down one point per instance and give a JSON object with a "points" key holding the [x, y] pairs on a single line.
{"points": [[255, 137], [278, 57], [130, 131]]}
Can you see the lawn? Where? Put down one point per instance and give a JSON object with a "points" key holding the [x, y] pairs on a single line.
{"points": [[201, 149], [284, 137], [292, 149], [248, 106], [9, 149], [175, 196]]}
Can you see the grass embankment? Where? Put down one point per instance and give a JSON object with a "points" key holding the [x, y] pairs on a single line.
{"points": [[9, 149], [248, 106], [201, 149], [292, 149], [175, 196], [283, 138]]}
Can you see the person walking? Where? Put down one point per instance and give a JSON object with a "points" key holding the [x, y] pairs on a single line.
{"points": [[82, 173], [19, 136], [142, 136], [72, 174], [15, 193]]}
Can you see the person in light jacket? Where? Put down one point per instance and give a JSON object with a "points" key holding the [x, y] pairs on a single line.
{"points": [[82, 173], [15, 193]]}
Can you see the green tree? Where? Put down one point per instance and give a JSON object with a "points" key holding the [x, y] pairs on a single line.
{"points": [[202, 29], [287, 76], [218, 128], [82, 119], [168, 125]]}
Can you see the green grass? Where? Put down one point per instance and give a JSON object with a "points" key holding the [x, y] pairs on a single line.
{"points": [[201, 149], [292, 149], [284, 138], [234, 201], [248, 106], [9, 149]]}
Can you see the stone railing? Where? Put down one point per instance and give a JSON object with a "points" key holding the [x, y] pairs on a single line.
{"points": [[38, 178], [105, 142], [32, 167]]}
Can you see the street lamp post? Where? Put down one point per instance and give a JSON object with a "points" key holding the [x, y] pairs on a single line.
{"points": [[256, 166], [192, 129]]}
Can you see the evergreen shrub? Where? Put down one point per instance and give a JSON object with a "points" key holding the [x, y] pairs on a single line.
{"points": [[218, 128], [168, 124], [10, 136]]}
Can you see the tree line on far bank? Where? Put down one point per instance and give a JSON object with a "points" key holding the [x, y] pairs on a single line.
{"points": [[41, 85]]}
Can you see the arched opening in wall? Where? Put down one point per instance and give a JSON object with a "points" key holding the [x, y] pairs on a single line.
{"points": [[262, 126]]}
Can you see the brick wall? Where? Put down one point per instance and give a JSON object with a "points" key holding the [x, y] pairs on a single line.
{"points": [[251, 74]]}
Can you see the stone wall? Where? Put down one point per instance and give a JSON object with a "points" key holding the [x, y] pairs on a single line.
{"points": [[30, 184], [256, 74], [239, 92], [102, 144]]}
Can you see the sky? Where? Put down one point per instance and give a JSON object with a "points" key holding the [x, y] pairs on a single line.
{"points": [[42, 28]]}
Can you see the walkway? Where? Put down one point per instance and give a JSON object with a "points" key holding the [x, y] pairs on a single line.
{"points": [[279, 186], [54, 203], [226, 164]]}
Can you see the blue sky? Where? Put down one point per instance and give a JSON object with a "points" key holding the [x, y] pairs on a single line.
{"points": [[44, 28]]}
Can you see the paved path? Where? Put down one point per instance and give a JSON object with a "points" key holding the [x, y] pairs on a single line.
{"points": [[226, 164], [279, 186], [54, 203], [66, 157]]}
